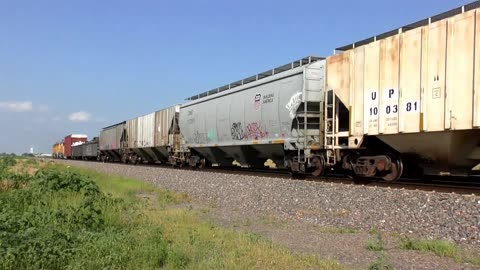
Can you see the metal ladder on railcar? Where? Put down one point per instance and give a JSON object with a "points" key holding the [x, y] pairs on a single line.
{"points": [[330, 137], [303, 130]]}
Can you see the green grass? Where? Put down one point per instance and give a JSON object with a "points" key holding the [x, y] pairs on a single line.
{"points": [[380, 264], [69, 218], [375, 245], [441, 248], [339, 230]]}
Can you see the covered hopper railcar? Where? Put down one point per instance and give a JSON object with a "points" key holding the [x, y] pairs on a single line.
{"points": [[111, 142], [86, 150], [415, 89], [154, 137], [273, 116]]}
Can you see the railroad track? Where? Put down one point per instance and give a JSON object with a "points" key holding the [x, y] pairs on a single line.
{"points": [[459, 185]]}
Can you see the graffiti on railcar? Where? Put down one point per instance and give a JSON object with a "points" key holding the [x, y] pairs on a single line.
{"points": [[212, 135], [255, 131], [142, 143], [237, 131], [200, 138], [294, 103]]}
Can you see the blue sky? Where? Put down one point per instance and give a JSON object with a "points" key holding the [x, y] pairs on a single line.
{"points": [[76, 66]]}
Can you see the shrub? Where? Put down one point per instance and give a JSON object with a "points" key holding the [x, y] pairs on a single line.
{"points": [[57, 221]]}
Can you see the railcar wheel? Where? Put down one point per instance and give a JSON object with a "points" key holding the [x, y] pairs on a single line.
{"points": [[318, 164], [396, 171], [202, 163]]}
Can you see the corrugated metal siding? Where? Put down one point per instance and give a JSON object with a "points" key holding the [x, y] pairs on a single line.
{"points": [[90, 150], [372, 84], [358, 68], [132, 133], [389, 84], [338, 77], [434, 102], [410, 80], [145, 130], [163, 124], [460, 77], [423, 79], [110, 138]]}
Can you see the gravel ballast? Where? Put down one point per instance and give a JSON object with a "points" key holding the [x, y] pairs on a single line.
{"points": [[423, 214]]}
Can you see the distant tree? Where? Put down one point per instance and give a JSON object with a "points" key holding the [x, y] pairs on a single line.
{"points": [[13, 155], [28, 155]]}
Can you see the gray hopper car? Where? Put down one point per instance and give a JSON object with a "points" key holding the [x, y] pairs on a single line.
{"points": [[265, 118], [111, 142], [153, 137], [86, 151]]}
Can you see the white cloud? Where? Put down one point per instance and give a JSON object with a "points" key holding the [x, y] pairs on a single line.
{"points": [[80, 116], [17, 106]]}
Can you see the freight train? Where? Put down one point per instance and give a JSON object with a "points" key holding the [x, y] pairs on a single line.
{"points": [[400, 103]]}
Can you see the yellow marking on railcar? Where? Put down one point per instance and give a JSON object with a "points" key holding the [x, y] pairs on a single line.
{"points": [[269, 163], [350, 121], [255, 142], [421, 122], [278, 141]]}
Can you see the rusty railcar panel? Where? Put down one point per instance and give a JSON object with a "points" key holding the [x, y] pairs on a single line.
{"points": [[410, 80], [434, 99], [460, 65], [389, 82], [165, 126], [371, 89], [357, 85], [476, 104], [338, 79]]}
